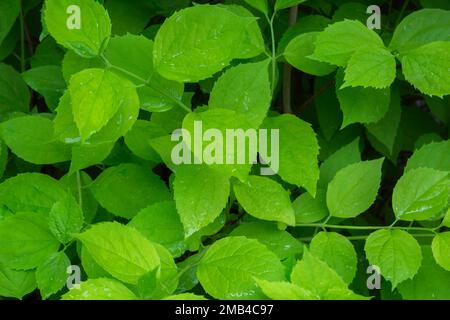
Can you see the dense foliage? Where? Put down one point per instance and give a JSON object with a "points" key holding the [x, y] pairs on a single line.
{"points": [[91, 92]]}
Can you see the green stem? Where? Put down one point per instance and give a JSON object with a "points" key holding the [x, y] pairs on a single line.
{"points": [[80, 194], [22, 39], [274, 57], [147, 83]]}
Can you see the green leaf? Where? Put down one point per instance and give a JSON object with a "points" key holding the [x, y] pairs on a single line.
{"points": [[199, 206], [430, 283], [14, 94], [65, 219], [354, 188], [164, 281], [420, 28], [159, 93], [47, 81], [340, 40], [285, 291], [185, 296], [161, 223], [97, 95], [100, 289], [283, 4], [297, 53], [336, 251], [365, 105], [30, 192], [260, 5], [308, 209], [435, 155], [3, 157], [314, 275], [373, 67], [16, 283], [299, 167], [196, 42], [244, 89], [94, 25], [128, 16], [31, 138], [395, 252], [120, 250], [51, 275], [348, 154], [141, 147], [426, 68], [230, 266], [145, 186], [26, 241], [73, 63], [282, 243], [441, 249], [265, 199], [10, 9], [446, 220], [421, 194]]}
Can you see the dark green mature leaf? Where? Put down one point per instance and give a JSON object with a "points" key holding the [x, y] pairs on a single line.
{"points": [[14, 94], [197, 42], [283, 4], [10, 9], [230, 266], [265, 199], [396, 253], [260, 5], [26, 240], [89, 37], [143, 189], [354, 188]]}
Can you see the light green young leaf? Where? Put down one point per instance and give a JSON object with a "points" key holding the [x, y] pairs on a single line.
{"points": [[339, 41], [65, 219], [31, 138], [51, 275], [435, 155], [14, 94], [100, 289], [420, 28], [337, 251], [26, 241], [278, 290], [196, 42], [230, 266], [122, 251], [96, 96], [316, 276], [354, 188], [441, 249], [370, 67], [420, 194], [30, 192], [244, 89], [446, 220], [10, 9], [141, 183], [308, 209], [364, 105], [283, 4], [265, 199], [299, 167], [426, 68], [281, 242], [138, 139], [185, 296], [297, 53], [160, 93], [16, 283], [395, 252], [85, 29], [199, 206], [47, 81], [430, 283], [161, 223]]}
